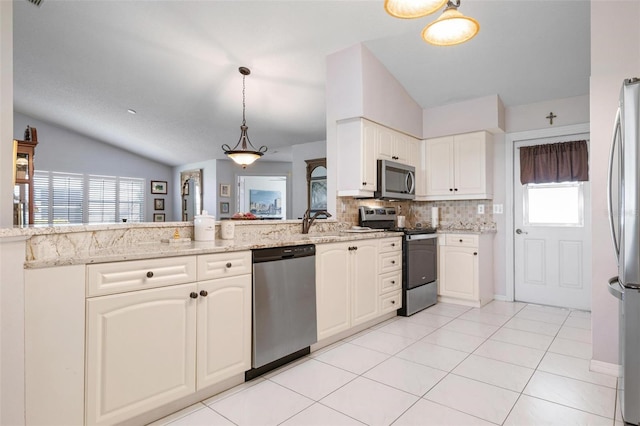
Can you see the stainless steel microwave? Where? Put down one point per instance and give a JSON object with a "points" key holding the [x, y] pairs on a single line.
{"points": [[396, 181]]}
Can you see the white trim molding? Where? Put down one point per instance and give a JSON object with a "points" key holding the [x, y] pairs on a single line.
{"points": [[510, 139], [605, 368]]}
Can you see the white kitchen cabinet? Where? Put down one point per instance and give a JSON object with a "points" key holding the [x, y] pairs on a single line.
{"points": [[465, 270], [346, 285], [141, 351], [357, 146], [224, 329], [459, 167], [390, 274], [149, 347], [54, 319]]}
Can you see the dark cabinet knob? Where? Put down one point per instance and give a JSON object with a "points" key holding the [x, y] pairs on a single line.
{"points": [[393, 302], [364, 183], [475, 253], [451, 189], [393, 244], [193, 295], [393, 262], [460, 240], [149, 274], [393, 282], [203, 293], [228, 265], [455, 189]]}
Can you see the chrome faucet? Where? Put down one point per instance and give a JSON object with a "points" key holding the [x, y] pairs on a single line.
{"points": [[307, 219]]}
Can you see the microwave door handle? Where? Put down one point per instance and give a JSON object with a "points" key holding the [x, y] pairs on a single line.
{"points": [[616, 137], [410, 182]]}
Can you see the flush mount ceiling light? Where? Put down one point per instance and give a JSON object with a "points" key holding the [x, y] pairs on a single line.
{"points": [[241, 153], [408, 9], [451, 28]]}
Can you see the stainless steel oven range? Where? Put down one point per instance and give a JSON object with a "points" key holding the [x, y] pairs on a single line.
{"points": [[419, 258]]}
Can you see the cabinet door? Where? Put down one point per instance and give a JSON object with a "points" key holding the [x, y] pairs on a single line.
{"points": [[470, 164], [332, 288], [224, 329], [386, 144], [369, 156], [439, 173], [458, 272], [140, 351], [364, 304]]}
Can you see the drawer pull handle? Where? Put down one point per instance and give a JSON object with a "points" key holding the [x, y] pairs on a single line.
{"points": [[393, 262], [393, 282], [393, 302], [149, 274], [193, 295], [460, 240], [228, 265], [393, 244], [203, 293]]}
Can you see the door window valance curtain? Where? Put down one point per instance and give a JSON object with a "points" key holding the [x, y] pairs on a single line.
{"points": [[554, 162]]}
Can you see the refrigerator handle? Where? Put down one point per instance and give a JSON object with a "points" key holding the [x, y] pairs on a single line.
{"points": [[615, 288], [616, 138]]}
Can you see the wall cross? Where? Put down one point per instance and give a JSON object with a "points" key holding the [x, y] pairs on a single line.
{"points": [[550, 117]]}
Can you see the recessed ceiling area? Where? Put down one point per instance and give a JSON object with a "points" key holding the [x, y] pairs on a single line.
{"points": [[82, 65]]}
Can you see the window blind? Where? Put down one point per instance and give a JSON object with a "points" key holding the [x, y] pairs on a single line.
{"points": [[58, 197], [131, 199], [102, 199]]}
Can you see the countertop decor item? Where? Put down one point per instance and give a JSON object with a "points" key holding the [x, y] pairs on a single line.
{"points": [[244, 153]]}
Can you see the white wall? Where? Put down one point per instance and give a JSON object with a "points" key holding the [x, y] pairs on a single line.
{"points": [[300, 153], [486, 113], [6, 113], [61, 150], [574, 110], [227, 172], [615, 55]]}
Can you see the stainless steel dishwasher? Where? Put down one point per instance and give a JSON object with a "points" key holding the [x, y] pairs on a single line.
{"points": [[284, 304]]}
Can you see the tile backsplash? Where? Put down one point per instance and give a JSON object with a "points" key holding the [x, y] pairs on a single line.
{"points": [[459, 214]]}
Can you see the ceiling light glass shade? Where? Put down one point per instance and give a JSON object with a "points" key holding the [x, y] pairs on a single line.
{"points": [[244, 153], [451, 28], [408, 9]]}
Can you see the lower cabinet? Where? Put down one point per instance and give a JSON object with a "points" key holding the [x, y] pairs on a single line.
{"points": [[465, 270], [356, 282], [141, 351], [346, 285], [149, 347]]}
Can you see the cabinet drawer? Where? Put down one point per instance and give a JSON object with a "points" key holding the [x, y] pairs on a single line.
{"points": [[391, 281], [390, 302], [461, 240], [390, 245], [390, 262], [220, 265], [118, 277]]}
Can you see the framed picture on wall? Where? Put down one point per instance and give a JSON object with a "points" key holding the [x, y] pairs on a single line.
{"points": [[224, 207], [158, 186], [158, 217], [225, 190], [158, 203]]}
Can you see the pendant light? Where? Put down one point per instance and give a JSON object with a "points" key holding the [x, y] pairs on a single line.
{"points": [[408, 9], [451, 28], [241, 153]]}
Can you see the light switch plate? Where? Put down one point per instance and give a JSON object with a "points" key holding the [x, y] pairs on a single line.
{"points": [[480, 208], [497, 209]]}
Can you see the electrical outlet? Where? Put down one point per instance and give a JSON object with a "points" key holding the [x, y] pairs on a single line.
{"points": [[480, 208], [497, 209]]}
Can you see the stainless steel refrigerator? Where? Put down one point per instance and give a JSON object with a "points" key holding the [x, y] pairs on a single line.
{"points": [[624, 219]]}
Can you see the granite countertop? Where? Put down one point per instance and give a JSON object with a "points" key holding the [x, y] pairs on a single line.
{"points": [[159, 249]]}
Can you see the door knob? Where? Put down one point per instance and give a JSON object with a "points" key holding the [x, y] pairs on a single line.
{"points": [[520, 231]]}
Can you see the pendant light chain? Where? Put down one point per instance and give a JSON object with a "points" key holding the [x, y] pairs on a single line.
{"points": [[244, 105]]}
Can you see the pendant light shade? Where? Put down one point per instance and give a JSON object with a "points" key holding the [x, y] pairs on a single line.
{"points": [[451, 28], [244, 153], [408, 9]]}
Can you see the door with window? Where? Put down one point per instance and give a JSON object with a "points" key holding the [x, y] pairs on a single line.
{"points": [[552, 237]]}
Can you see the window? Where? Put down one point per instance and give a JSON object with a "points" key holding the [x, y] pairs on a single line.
{"points": [[554, 204], [57, 197], [75, 198]]}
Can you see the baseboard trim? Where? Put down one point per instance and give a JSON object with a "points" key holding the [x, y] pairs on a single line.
{"points": [[605, 368], [501, 298]]}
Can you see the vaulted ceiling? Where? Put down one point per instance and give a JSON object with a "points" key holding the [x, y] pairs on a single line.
{"points": [[82, 64]]}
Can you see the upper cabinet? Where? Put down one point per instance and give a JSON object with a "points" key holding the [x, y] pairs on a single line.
{"points": [[458, 167], [360, 144]]}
